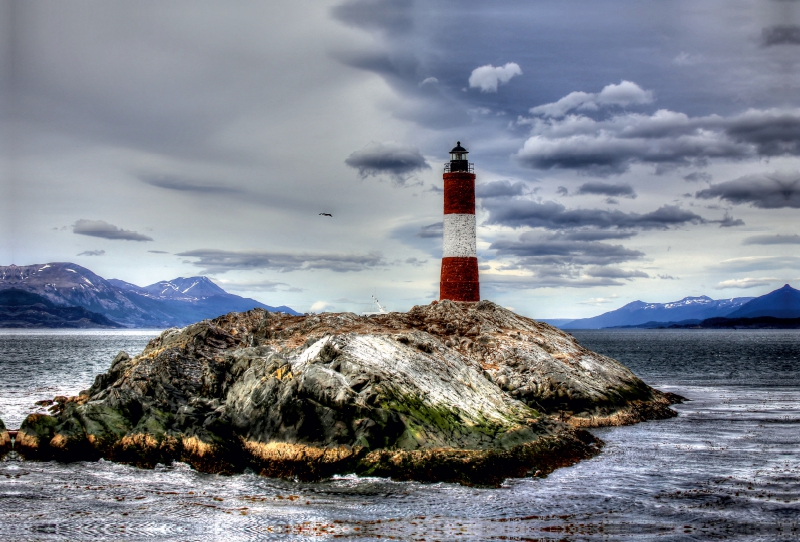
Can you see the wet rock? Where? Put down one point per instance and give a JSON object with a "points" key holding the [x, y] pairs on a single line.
{"points": [[5, 440], [463, 392]]}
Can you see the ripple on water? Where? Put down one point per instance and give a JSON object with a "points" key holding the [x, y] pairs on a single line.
{"points": [[727, 467]]}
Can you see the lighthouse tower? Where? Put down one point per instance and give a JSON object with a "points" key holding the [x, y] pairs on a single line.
{"points": [[459, 255]]}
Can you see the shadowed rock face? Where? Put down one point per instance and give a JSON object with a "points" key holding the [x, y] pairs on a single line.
{"points": [[465, 392], [5, 440]]}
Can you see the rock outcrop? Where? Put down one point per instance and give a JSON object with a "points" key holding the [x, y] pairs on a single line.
{"points": [[464, 392], [5, 440]]}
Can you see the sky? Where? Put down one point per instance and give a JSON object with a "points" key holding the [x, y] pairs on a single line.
{"points": [[623, 149]]}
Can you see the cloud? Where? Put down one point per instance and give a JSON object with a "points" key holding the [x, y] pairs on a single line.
{"points": [[222, 261], [517, 213], [488, 77], [624, 94], [542, 279], [760, 263], [747, 282], [320, 306], [92, 253], [665, 139], [416, 262], [598, 300], [604, 189], [697, 176], [101, 228], [397, 161], [257, 286], [570, 259], [435, 230], [772, 240], [185, 185], [686, 59], [764, 190], [390, 16], [562, 191], [616, 273], [499, 189], [559, 250], [728, 221], [428, 81], [780, 35], [158, 252]]}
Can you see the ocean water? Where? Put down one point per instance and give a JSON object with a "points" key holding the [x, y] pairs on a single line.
{"points": [[727, 468]]}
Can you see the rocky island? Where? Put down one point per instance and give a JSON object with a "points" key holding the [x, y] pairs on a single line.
{"points": [[462, 392]]}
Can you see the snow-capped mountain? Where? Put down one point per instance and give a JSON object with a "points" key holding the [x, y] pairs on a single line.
{"points": [[165, 304], [640, 312], [187, 289]]}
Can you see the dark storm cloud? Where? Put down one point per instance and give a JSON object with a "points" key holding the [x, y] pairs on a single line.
{"points": [[780, 35], [431, 231], [185, 185], [92, 253], [101, 228], [222, 261], [499, 189], [665, 139], [570, 259], [728, 221], [397, 161], [596, 235], [554, 216], [615, 273], [560, 250], [393, 16], [604, 189], [697, 176], [772, 240], [764, 190]]}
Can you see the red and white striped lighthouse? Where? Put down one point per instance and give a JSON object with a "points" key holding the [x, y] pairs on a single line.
{"points": [[459, 255]]}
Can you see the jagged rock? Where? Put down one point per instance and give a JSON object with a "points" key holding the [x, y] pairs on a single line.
{"points": [[464, 392], [5, 440]]}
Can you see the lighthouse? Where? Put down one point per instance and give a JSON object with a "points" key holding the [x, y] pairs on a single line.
{"points": [[459, 253]]}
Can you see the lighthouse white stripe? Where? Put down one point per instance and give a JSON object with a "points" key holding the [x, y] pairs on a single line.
{"points": [[459, 236]]}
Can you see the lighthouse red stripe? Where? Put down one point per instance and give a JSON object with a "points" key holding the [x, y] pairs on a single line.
{"points": [[460, 279], [459, 193]]}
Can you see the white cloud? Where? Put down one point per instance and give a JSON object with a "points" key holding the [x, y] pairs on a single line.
{"points": [[665, 137], [747, 282], [320, 306], [487, 78], [624, 94], [429, 81]]}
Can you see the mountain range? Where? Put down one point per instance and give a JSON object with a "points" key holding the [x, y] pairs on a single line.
{"points": [[21, 309], [781, 303], [177, 302]]}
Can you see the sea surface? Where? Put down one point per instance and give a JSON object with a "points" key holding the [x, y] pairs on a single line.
{"points": [[727, 468]]}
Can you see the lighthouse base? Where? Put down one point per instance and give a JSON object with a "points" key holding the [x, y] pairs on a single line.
{"points": [[460, 280]]}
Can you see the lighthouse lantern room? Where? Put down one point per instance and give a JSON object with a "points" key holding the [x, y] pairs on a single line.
{"points": [[459, 281]]}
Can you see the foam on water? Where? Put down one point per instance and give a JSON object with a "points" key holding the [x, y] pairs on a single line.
{"points": [[727, 467]]}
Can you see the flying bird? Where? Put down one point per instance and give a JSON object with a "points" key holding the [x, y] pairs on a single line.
{"points": [[326, 214]]}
